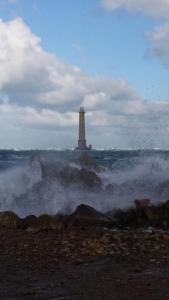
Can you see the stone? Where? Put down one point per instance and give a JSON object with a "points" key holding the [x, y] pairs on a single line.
{"points": [[128, 217], [10, 220], [46, 222], [142, 203], [86, 161], [166, 204], [69, 175], [90, 179], [86, 215], [29, 221]]}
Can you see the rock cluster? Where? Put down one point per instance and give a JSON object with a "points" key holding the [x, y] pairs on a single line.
{"points": [[68, 175], [143, 215]]}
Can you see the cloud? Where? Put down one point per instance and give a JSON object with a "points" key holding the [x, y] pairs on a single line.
{"points": [[40, 97], [159, 43], [154, 8], [158, 38], [31, 76]]}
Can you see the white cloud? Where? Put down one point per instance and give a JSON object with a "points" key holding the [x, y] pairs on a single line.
{"points": [[155, 8], [159, 37], [159, 43], [31, 76], [40, 95]]}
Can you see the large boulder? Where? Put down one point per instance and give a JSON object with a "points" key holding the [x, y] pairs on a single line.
{"points": [[10, 220], [86, 215], [87, 211]]}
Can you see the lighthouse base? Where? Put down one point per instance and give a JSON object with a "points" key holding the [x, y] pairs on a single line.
{"points": [[83, 148]]}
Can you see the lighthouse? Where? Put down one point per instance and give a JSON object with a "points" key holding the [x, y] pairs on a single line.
{"points": [[82, 138]]}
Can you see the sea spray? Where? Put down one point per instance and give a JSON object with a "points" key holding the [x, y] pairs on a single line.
{"points": [[25, 190]]}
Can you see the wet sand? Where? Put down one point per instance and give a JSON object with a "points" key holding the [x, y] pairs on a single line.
{"points": [[84, 264]]}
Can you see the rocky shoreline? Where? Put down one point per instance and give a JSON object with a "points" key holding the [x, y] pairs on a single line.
{"points": [[143, 215]]}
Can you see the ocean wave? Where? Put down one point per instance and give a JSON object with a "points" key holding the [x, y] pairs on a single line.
{"points": [[25, 190]]}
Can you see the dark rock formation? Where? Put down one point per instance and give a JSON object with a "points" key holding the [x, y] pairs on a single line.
{"points": [[143, 215], [127, 217], [86, 161], [86, 215], [10, 220], [45, 222], [29, 221], [90, 179], [142, 203], [68, 175]]}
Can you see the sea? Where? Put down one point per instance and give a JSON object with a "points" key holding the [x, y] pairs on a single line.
{"points": [[131, 174]]}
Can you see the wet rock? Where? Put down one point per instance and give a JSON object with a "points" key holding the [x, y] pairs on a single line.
{"points": [[86, 215], [90, 179], [155, 215], [142, 203], [166, 204], [46, 222], [50, 169], [86, 161], [79, 177], [126, 218], [10, 220], [69, 175], [84, 210], [29, 221]]}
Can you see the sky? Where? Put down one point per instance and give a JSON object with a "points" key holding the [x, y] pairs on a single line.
{"points": [[110, 56]]}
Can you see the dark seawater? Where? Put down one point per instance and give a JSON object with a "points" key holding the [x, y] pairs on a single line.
{"points": [[109, 158], [133, 175]]}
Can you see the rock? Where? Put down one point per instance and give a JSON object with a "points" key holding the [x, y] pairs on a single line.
{"points": [[86, 161], [154, 215], [128, 217], [83, 177], [63, 174], [86, 215], [29, 221], [142, 203], [87, 211], [90, 179], [69, 175], [10, 220], [50, 169], [166, 204], [46, 222]]}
